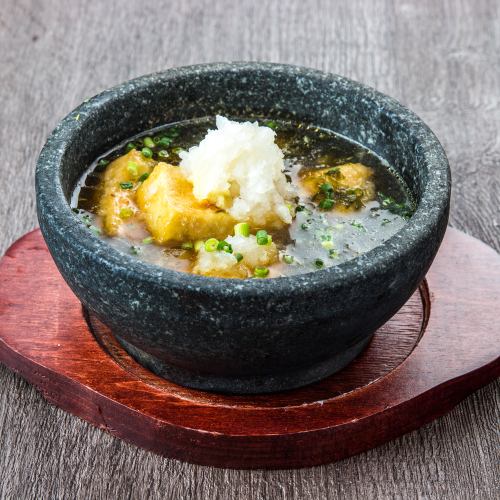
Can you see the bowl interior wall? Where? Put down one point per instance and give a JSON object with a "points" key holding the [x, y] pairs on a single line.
{"points": [[164, 99]]}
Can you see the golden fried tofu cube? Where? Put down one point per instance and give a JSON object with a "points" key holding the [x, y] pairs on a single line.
{"points": [[172, 213], [120, 183], [349, 177]]}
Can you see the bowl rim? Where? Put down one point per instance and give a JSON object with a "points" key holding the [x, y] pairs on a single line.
{"points": [[431, 209]]}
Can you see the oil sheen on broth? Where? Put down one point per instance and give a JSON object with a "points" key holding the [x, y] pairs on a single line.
{"points": [[333, 222]]}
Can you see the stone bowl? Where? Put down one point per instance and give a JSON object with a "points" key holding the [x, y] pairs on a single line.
{"points": [[243, 336]]}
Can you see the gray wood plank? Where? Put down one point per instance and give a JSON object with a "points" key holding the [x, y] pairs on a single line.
{"points": [[442, 59]]}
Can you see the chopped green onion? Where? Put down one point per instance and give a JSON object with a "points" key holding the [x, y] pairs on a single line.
{"points": [[146, 152], [177, 151], [242, 229], [224, 246], [261, 272], [300, 208], [148, 240], [304, 226], [130, 146], [288, 259], [238, 256], [126, 185], [327, 244], [198, 244], [165, 142], [187, 245], [126, 212], [103, 163], [172, 132], [143, 177], [385, 221], [211, 244], [326, 204], [390, 204], [135, 249], [326, 187], [156, 139], [163, 153], [358, 225], [263, 238], [148, 142], [333, 254], [318, 263], [86, 219], [271, 124], [132, 168]]}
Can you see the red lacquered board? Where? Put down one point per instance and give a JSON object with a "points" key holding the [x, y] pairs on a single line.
{"points": [[443, 344]]}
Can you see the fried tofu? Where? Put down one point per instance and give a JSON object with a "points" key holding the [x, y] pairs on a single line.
{"points": [[171, 212], [121, 180]]}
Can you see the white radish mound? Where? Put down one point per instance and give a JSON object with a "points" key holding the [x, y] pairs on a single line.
{"points": [[239, 168]]}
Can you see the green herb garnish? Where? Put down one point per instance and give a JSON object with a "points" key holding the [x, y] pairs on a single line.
{"points": [[165, 142], [242, 229], [326, 204], [102, 163], [333, 254], [146, 152], [172, 132], [224, 246], [126, 185], [358, 225], [211, 244], [390, 204], [132, 168], [271, 124], [143, 177], [263, 238], [260, 272]]}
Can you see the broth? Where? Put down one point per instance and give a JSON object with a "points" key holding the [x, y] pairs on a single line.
{"points": [[329, 226]]}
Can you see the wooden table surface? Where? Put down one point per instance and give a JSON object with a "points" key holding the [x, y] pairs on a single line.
{"points": [[440, 58]]}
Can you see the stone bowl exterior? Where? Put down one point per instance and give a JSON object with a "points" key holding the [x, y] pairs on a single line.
{"points": [[243, 336]]}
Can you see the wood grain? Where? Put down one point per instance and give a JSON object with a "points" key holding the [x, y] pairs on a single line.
{"points": [[439, 58], [419, 365]]}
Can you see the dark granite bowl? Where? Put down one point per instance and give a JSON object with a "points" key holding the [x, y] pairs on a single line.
{"points": [[255, 335]]}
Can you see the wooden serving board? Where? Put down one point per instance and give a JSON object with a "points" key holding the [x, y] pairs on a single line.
{"points": [[443, 344]]}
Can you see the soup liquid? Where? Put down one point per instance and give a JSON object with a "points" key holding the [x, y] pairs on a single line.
{"points": [[316, 239]]}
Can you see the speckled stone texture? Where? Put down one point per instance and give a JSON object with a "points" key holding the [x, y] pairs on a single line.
{"points": [[255, 335]]}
